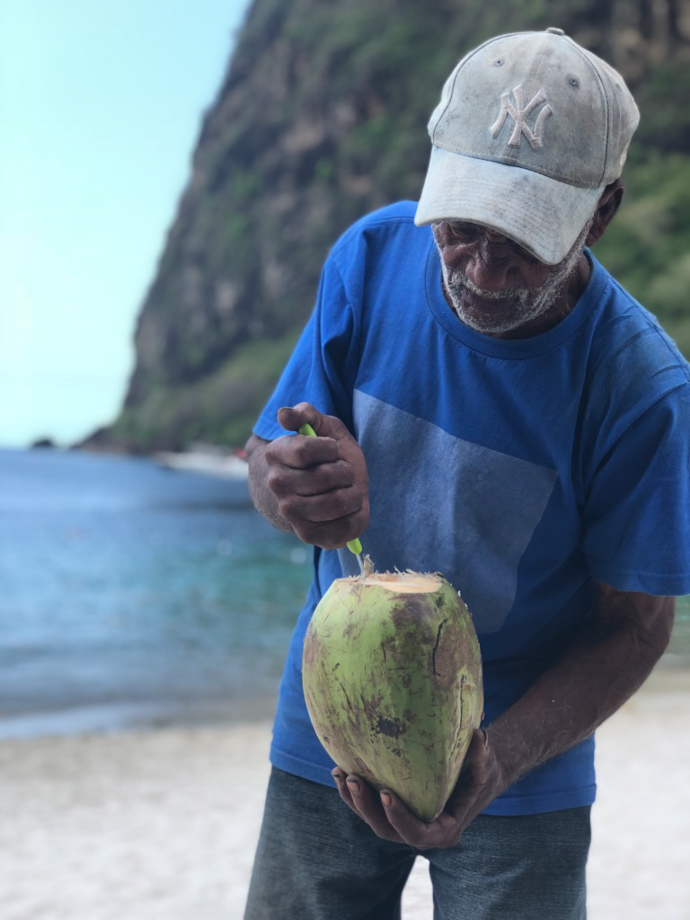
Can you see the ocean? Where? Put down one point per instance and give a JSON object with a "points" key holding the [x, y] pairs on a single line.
{"points": [[134, 596]]}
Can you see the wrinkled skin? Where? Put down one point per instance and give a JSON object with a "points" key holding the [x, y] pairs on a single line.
{"points": [[480, 782], [500, 289], [316, 487]]}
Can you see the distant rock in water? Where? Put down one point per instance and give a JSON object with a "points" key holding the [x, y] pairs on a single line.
{"points": [[321, 117], [43, 443]]}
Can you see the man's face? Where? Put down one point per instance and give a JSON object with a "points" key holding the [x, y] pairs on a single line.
{"points": [[496, 287]]}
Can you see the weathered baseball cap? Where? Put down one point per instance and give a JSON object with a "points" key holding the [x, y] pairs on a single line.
{"points": [[529, 130]]}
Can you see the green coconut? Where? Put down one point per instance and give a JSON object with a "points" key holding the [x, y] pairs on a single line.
{"points": [[393, 683]]}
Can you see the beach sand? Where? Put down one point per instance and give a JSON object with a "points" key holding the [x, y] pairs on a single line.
{"points": [[161, 825]]}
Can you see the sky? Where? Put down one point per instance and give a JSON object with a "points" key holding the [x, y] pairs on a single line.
{"points": [[101, 105]]}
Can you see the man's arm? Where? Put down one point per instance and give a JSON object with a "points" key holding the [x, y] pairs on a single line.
{"points": [[316, 487], [608, 660]]}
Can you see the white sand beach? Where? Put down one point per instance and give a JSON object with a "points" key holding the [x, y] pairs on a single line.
{"points": [[162, 825]]}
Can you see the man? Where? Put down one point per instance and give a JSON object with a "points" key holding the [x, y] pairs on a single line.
{"points": [[516, 421]]}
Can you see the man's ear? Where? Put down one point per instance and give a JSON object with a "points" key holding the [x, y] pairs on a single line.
{"points": [[609, 203]]}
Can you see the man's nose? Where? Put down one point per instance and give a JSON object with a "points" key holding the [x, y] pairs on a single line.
{"points": [[491, 262]]}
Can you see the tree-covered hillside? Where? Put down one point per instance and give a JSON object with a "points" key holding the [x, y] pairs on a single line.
{"points": [[322, 117]]}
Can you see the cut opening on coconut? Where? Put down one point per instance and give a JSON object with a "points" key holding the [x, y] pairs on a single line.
{"points": [[405, 582], [399, 582]]}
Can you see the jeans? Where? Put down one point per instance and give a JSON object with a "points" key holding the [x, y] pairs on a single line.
{"points": [[317, 860]]}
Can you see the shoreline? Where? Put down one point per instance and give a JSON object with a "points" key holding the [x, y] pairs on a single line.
{"points": [[124, 717], [161, 824], [672, 673]]}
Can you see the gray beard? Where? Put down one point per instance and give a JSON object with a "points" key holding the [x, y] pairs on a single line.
{"points": [[528, 303]]}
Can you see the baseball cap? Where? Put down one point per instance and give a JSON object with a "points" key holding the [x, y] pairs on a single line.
{"points": [[530, 129]]}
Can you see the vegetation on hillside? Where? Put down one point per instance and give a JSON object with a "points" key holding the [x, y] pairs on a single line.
{"points": [[321, 118]]}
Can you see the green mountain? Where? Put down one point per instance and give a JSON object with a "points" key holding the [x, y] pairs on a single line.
{"points": [[322, 117]]}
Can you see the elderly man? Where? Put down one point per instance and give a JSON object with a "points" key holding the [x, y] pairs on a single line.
{"points": [[492, 405]]}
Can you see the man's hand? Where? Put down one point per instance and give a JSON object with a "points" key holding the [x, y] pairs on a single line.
{"points": [[479, 783], [320, 485]]}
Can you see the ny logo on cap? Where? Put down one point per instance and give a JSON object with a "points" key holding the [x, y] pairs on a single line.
{"points": [[519, 113]]}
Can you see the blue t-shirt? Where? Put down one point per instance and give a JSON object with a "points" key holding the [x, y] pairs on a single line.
{"points": [[520, 469]]}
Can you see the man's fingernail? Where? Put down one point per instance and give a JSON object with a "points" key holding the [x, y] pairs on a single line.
{"points": [[353, 784], [386, 799]]}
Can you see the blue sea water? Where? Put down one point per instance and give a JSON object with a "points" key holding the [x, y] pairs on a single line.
{"points": [[134, 596]]}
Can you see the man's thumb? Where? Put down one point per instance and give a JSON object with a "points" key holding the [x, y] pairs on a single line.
{"points": [[292, 418]]}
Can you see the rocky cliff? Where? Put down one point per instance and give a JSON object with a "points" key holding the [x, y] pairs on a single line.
{"points": [[322, 117]]}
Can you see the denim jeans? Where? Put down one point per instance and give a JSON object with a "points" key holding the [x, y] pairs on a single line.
{"points": [[316, 860]]}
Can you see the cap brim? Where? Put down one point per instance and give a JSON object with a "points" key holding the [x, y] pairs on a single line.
{"points": [[542, 215]]}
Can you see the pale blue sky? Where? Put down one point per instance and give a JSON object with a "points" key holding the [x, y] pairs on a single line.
{"points": [[100, 109]]}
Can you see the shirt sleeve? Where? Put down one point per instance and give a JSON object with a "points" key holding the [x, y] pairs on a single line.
{"points": [[323, 365], [637, 515]]}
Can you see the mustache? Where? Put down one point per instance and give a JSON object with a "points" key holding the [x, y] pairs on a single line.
{"points": [[459, 281]]}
